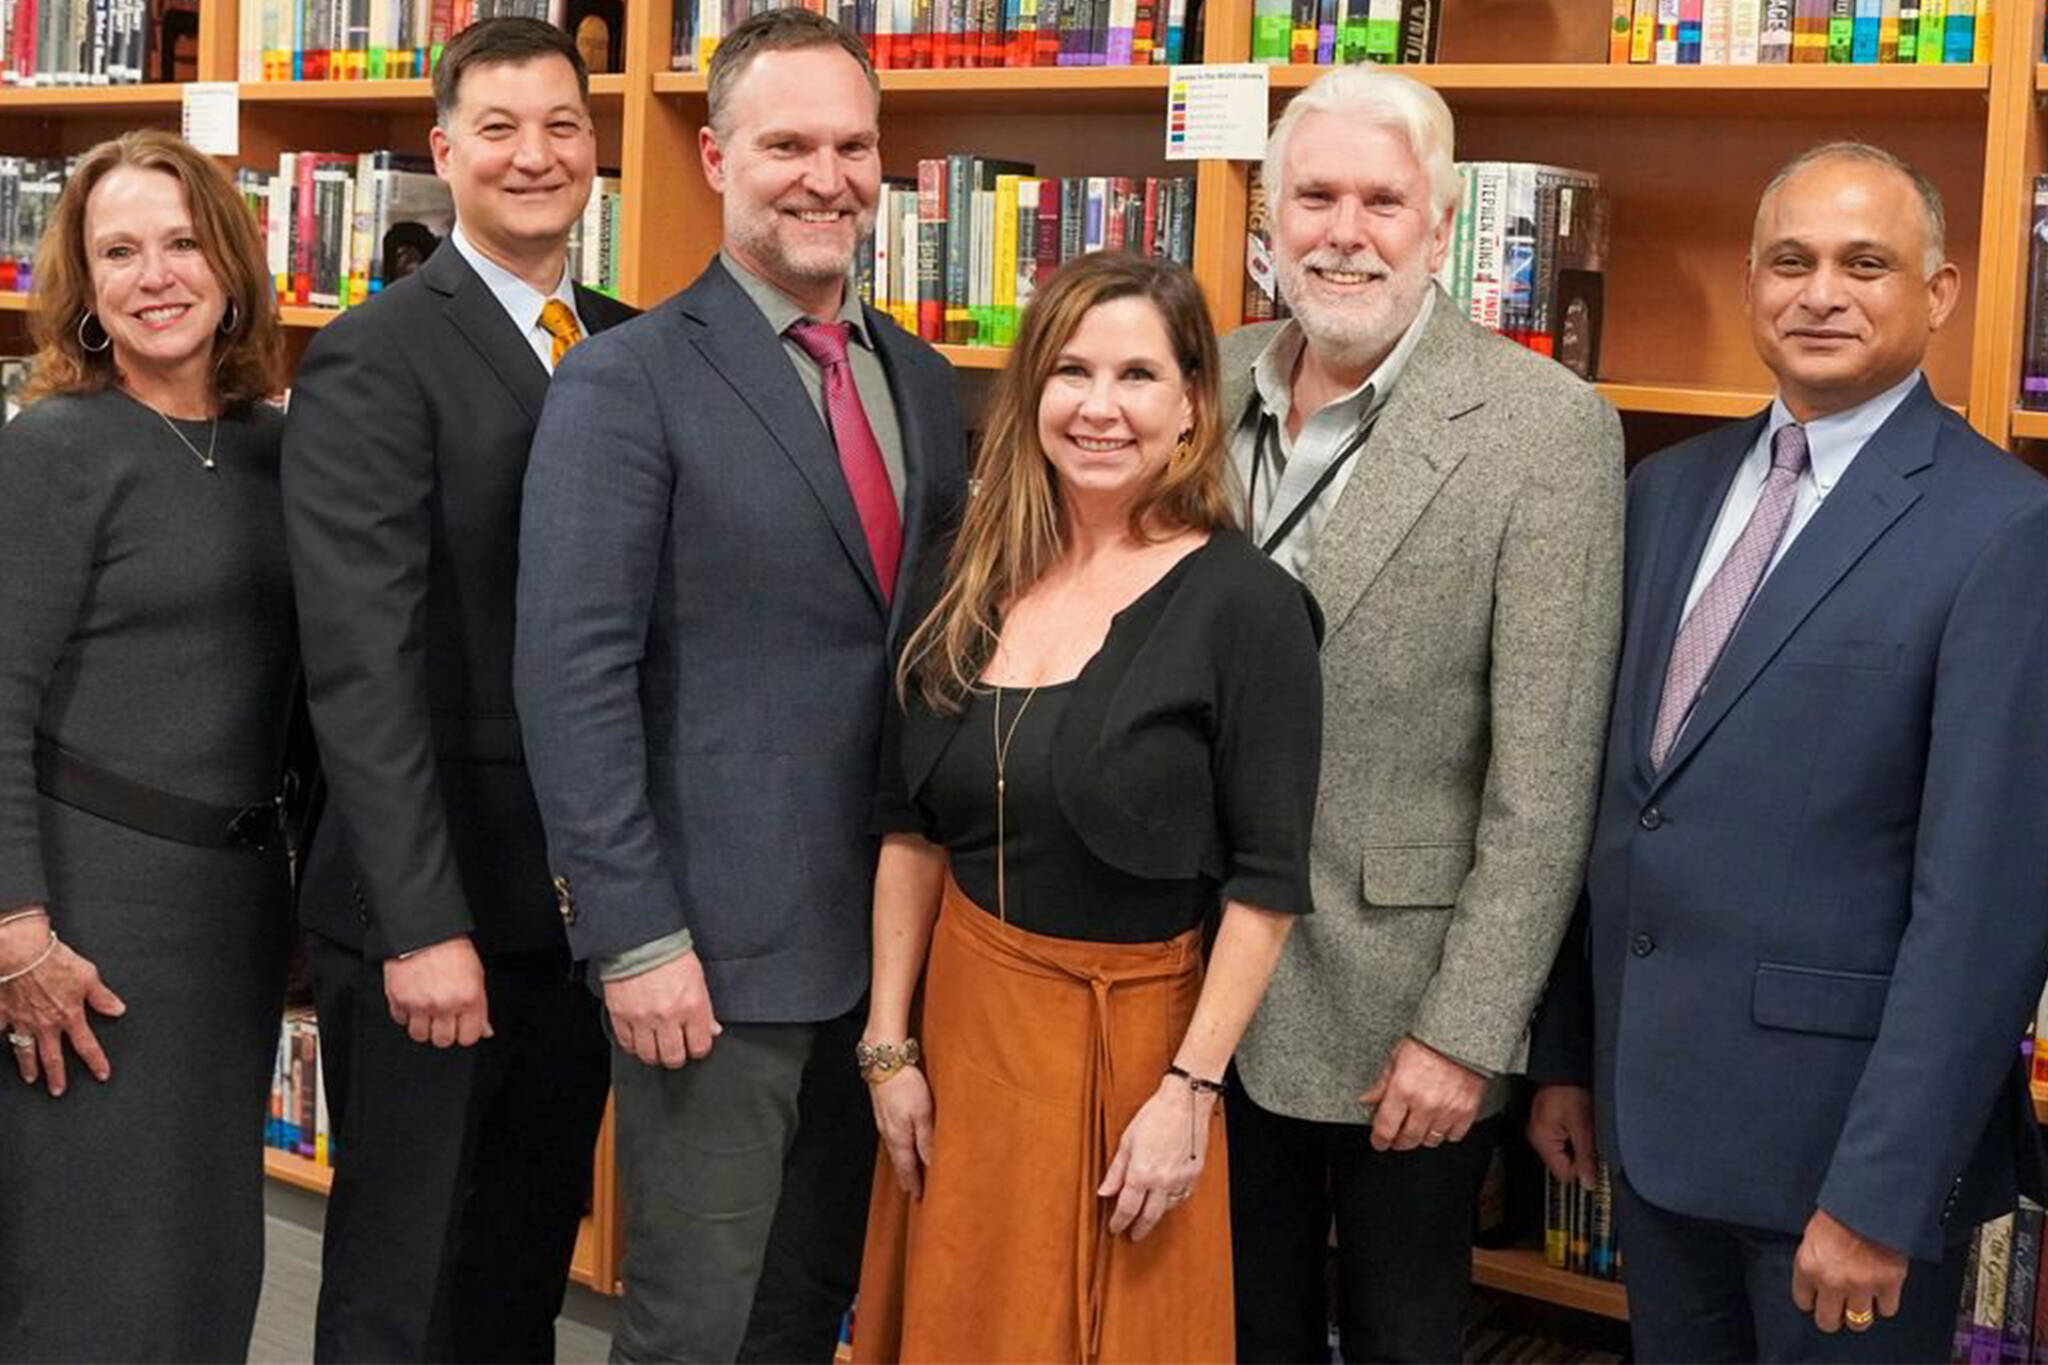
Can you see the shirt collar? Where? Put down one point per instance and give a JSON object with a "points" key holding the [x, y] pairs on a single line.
{"points": [[1273, 371], [781, 310], [1833, 441], [517, 297]]}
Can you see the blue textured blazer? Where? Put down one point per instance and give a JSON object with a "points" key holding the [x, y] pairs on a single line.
{"points": [[703, 648], [1811, 942]]}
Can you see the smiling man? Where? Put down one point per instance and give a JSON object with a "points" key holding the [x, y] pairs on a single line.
{"points": [[1454, 501], [727, 501], [1813, 928], [465, 1068]]}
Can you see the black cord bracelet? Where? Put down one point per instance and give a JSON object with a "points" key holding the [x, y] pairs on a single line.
{"points": [[1195, 1083]]}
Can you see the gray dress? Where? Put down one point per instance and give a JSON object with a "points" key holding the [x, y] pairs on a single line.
{"points": [[146, 625]]}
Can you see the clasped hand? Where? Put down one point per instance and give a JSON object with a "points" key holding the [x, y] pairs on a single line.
{"points": [[1159, 1158], [52, 1004], [663, 1015]]}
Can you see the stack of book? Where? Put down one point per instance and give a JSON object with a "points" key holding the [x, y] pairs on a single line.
{"points": [[1760, 32], [338, 226], [956, 255], [1578, 1226], [298, 1102], [29, 187], [1528, 257], [87, 42], [2034, 388], [2004, 1303], [1337, 32], [906, 34], [356, 40]]}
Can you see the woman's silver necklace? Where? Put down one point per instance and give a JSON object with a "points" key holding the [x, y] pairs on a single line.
{"points": [[212, 435]]}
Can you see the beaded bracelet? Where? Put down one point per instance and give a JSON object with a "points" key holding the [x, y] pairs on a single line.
{"points": [[879, 1061]]}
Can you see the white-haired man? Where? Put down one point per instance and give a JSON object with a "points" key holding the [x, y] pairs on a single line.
{"points": [[1455, 503]]}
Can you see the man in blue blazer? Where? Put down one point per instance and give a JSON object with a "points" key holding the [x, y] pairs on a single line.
{"points": [[726, 501], [1816, 913]]}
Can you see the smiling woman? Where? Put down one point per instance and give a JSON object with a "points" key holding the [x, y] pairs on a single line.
{"points": [[143, 699]]}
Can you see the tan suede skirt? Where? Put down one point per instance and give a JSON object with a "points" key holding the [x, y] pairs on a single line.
{"points": [[1039, 1051]]}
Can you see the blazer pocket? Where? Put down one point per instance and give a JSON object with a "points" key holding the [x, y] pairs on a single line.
{"points": [[1873, 656], [1841, 1004], [1414, 875]]}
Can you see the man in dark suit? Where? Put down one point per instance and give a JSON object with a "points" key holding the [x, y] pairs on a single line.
{"points": [[727, 501], [464, 1066], [1814, 927]]}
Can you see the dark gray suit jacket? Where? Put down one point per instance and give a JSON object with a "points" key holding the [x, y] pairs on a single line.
{"points": [[704, 651], [403, 455]]}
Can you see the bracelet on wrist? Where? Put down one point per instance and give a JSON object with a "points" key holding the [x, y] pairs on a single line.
{"points": [[1194, 1082], [879, 1061], [38, 960], [29, 912]]}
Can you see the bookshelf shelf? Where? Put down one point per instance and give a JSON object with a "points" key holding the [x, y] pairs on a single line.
{"points": [[1680, 400], [297, 1171], [1077, 90], [12, 302], [1595, 87], [300, 1173], [976, 357], [1523, 1271], [2032, 426], [376, 95], [89, 99], [293, 316]]}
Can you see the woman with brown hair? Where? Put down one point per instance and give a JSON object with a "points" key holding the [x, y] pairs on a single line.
{"points": [[1109, 745], [145, 689]]}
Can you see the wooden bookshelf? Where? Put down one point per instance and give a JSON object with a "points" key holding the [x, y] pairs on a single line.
{"points": [[1523, 1271], [297, 1171]]}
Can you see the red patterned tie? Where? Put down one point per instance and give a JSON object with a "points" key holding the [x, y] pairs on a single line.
{"points": [[860, 455], [1726, 597]]}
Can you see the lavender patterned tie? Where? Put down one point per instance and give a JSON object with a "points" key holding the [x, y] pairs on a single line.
{"points": [[1714, 616]]}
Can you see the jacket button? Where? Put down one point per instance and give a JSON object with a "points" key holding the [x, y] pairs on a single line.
{"points": [[1652, 818], [1643, 945]]}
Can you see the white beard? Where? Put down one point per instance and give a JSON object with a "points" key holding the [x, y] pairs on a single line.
{"points": [[1360, 329]]}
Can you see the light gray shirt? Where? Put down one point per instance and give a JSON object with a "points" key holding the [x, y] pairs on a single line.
{"points": [[869, 380], [1832, 443], [521, 301], [1284, 481]]}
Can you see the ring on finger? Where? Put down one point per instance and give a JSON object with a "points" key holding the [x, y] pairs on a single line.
{"points": [[21, 1042], [1859, 1319], [1434, 1136], [1175, 1196]]}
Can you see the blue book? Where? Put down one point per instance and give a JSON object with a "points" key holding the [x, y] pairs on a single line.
{"points": [[1959, 38], [1863, 42]]}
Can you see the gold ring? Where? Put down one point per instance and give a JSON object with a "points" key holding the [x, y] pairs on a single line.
{"points": [[1858, 1319]]}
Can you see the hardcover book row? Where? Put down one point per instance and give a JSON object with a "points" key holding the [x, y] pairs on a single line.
{"points": [[50, 43], [952, 34], [1763, 32]]}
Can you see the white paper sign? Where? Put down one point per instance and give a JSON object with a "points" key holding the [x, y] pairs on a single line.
{"points": [[1216, 112], [212, 117]]}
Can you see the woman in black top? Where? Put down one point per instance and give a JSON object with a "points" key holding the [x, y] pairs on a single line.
{"points": [[1111, 731], [145, 684]]}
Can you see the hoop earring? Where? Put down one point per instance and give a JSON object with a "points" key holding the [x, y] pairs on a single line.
{"points": [[83, 344], [231, 319]]}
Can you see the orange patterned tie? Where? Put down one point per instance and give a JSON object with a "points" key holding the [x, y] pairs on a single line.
{"points": [[558, 322]]}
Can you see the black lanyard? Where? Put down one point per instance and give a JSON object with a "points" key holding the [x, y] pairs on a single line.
{"points": [[1269, 431]]}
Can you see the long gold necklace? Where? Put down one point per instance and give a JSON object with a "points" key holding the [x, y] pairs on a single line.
{"points": [[1001, 739]]}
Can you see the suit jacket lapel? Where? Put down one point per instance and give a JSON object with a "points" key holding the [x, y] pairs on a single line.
{"points": [[1677, 544], [1400, 469], [481, 319], [917, 464], [737, 343], [1872, 495], [600, 311]]}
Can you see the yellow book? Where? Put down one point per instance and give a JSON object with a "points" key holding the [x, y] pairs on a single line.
{"points": [[1980, 48], [1003, 290], [1642, 38]]}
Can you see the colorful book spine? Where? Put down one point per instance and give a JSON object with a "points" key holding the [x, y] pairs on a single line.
{"points": [[1866, 31], [1774, 44], [1930, 35], [1667, 32], [1745, 42], [1959, 33], [1691, 14], [1642, 34], [2034, 376], [1717, 24], [1618, 25], [1841, 31]]}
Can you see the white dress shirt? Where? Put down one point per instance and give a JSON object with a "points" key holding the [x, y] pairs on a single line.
{"points": [[1832, 442], [521, 301]]}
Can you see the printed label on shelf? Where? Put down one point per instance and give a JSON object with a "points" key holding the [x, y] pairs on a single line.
{"points": [[212, 117], [1216, 112]]}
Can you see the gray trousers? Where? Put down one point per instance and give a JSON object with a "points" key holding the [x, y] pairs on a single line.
{"points": [[745, 1178]]}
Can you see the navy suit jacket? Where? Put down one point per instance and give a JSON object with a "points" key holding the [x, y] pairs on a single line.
{"points": [[704, 651], [1810, 943]]}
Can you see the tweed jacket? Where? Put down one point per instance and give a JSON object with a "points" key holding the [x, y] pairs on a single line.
{"points": [[1470, 578]]}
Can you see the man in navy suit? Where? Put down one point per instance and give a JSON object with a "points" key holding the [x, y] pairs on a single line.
{"points": [[1816, 913], [726, 501]]}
